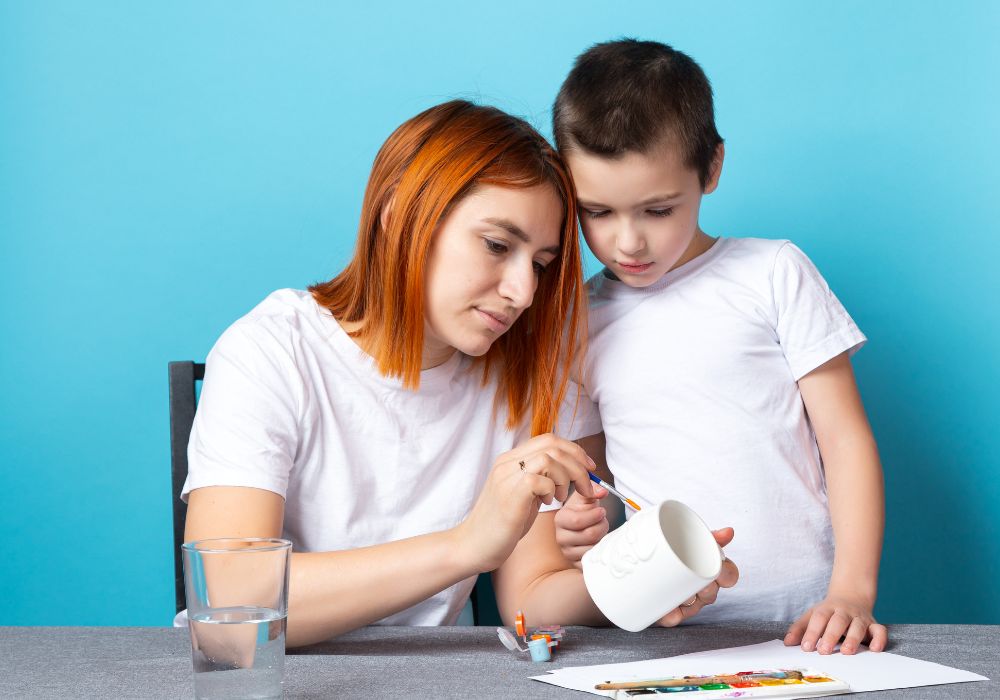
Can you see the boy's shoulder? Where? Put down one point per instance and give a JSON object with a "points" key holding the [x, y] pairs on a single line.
{"points": [[755, 249], [771, 259]]}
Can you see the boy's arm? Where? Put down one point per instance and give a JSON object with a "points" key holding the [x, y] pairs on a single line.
{"points": [[581, 522], [595, 446], [857, 512]]}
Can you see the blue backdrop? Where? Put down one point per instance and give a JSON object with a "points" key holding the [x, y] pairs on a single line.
{"points": [[165, 165]]}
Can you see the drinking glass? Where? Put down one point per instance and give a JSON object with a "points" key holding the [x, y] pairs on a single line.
{"points": [[237, 606]]}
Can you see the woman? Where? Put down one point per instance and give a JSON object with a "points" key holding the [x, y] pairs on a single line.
{"points": [[360, 419]]}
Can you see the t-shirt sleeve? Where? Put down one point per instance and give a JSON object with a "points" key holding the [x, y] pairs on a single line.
{"points": [[245, 429], [812, 325], [578, 414]]}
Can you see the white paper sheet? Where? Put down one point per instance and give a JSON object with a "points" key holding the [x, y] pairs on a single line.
{"points": [[863, 671]]}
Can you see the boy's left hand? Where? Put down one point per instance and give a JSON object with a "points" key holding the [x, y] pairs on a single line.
{"points": [[822, 626]]}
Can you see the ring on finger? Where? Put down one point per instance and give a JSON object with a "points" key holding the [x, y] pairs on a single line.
{"points": [[694, 599]]}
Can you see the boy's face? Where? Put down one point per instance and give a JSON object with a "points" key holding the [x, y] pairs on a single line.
{"points": [[639, 212]]}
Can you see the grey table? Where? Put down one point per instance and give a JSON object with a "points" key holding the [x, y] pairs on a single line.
{"points": [[421, 662]]}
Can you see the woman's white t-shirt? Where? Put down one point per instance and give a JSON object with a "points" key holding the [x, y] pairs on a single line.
{"points": [[292, 405]]}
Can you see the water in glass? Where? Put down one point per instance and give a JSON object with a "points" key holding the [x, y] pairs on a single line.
{"points": [[238, 652]]}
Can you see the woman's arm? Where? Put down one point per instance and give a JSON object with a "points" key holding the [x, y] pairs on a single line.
{"points": [[333, 592], [857, 512], [539, 582]]}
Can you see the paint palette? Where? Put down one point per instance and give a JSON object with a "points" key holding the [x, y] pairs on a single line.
{"points": [[803, 682]]}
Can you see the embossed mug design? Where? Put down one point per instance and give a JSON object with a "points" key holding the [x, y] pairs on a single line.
{"points": [[654, 562]]}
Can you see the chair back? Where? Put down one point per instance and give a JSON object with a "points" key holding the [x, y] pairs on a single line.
{"points": [[183, 377]]}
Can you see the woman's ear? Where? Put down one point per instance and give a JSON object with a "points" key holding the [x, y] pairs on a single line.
{"points": [[383, 217], [715, 170]]}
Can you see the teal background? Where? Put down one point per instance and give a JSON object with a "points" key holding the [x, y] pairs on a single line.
{"points": [[165, 165]]}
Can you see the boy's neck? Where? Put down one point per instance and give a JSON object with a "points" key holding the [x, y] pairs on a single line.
{"points": [[700, 244]]}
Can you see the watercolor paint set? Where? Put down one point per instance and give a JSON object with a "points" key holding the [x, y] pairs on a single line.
{"points": [[743, 684]]}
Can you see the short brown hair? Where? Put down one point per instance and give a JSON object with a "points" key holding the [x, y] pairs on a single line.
{"points": [[627, 95], [425, 168]]}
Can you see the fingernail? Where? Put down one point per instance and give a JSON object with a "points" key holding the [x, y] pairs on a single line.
{"points": [[808, 646], [591, 462]]}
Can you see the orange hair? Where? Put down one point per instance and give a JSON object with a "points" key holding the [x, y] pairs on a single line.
{"points": [[425, 167]]}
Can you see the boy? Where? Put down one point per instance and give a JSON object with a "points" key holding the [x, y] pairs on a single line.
{"points": [[718, 369]]}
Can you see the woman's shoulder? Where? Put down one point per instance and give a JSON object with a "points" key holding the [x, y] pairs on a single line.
{"points": [[285, 319], [284, 307], [287, 311]]}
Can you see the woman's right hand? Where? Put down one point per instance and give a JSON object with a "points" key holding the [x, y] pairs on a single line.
{"points": [[537, 471]]}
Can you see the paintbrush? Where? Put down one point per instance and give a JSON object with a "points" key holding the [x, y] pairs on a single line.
{"points": [[613, 491], [698, 680]]}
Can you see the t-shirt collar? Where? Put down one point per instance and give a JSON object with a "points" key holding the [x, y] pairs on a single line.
{"points": [[430, 379]]}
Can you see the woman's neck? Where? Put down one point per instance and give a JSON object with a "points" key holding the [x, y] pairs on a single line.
{"points": [[432, 355]]}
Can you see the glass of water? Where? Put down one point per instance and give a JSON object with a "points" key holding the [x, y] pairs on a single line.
{"points": [[237, 605]]}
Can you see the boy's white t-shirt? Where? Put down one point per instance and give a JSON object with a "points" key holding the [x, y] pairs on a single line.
{"points": [[694, 382], [292, 405]]}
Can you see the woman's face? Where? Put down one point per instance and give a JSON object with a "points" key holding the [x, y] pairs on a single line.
{"points": [[483, 267]]}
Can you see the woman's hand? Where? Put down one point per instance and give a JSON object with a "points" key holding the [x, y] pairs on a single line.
{"points": [[535, 472], [727, 578], [823, 625]]}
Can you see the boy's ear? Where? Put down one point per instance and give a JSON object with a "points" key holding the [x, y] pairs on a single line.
{"points": [[716, 169]]}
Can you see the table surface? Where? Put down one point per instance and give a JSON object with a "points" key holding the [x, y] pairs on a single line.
{"points": [[424, 662]]}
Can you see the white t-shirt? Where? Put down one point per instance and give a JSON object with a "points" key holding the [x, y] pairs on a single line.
{"points": [[292, 405], [694, 381]]}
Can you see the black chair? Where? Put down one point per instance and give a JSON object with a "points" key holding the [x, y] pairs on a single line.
{"points": [[183, 377]]}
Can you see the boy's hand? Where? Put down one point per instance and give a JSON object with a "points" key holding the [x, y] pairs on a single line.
{"points": [[538, 470], [727, 578], [580, 524], [822, 626]]}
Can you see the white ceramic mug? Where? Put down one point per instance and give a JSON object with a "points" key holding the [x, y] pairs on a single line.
{"points": [[654, 562]]}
